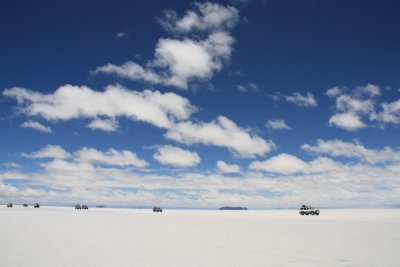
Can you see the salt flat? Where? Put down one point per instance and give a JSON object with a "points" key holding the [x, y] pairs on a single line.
{"points": [[54, 236]]}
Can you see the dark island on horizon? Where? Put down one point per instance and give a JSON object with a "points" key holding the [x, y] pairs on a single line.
{"points": [[233, 208]]}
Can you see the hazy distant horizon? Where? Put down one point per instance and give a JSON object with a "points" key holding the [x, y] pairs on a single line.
{"points": [[199, 208]]}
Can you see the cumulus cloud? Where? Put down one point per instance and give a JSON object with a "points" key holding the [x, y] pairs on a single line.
{"points": [[49, 151], [277, 125], [164, 110], [131, 70], [282, 163], [347, 121], [334, 92], [206, 17], [89, 155], [338, 148], [110, 157], [300, 100], [72, 102], [175, 156], [369, 89], [324, 183], [390, 113], [176, 62], [289, 164], [346, 103], [36, 126], [224, 167], [223, 133], [352, 106], [107, 125]]}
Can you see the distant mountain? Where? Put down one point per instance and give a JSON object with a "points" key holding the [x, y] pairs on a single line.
{"points": [[233, 208]]}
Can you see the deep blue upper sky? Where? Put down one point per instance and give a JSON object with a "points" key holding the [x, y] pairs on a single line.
{"points": [[281, 49], [286, 42]]}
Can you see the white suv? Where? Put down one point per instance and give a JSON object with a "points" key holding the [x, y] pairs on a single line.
{"points": [[307, 210]]}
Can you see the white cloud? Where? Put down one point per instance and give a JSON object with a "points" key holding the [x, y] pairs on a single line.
{"points": [[324, 183], [108, 125], [289, 164], [302, 101], [72, 102], [353, 105], [282, 163], [250, 87], [227, 168], [276, 96], [64, 168], [207, 17], [175, 156], [277, 125], [36, 126], [223, 133], [369, 90], [359, 92], [49, 151], [131, 70], [338, 148], [390, 113], [110, 157], [334, 92], [164, 110], [347, 121], [346, 103], [120, 35], [176, 62], [188, 59]]}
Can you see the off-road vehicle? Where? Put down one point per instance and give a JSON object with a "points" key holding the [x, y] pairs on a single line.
{"points": [[157, 209], [36, 206], [308, 210], [78, 207], [85, 207], [9, 205]]}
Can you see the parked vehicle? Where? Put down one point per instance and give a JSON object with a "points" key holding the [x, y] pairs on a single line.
{"points": [[36, 206], [9, 205], [308, 210], [25, 205], [84, 207], [78, 207], [157, 209]]}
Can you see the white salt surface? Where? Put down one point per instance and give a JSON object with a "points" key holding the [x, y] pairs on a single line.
{"points": [[60, 237]]}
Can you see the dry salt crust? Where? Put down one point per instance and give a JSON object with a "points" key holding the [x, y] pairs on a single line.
{"points": [[54, 236]]}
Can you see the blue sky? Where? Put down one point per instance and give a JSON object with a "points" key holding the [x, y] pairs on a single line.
{"points": [[265, 104]]}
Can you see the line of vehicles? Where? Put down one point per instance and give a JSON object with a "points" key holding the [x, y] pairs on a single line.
{"points": [[79, 207], [304, 209], [36, 205]]}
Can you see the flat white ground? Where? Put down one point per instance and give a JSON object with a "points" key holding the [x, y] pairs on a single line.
{"points": [[60, 237]]}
